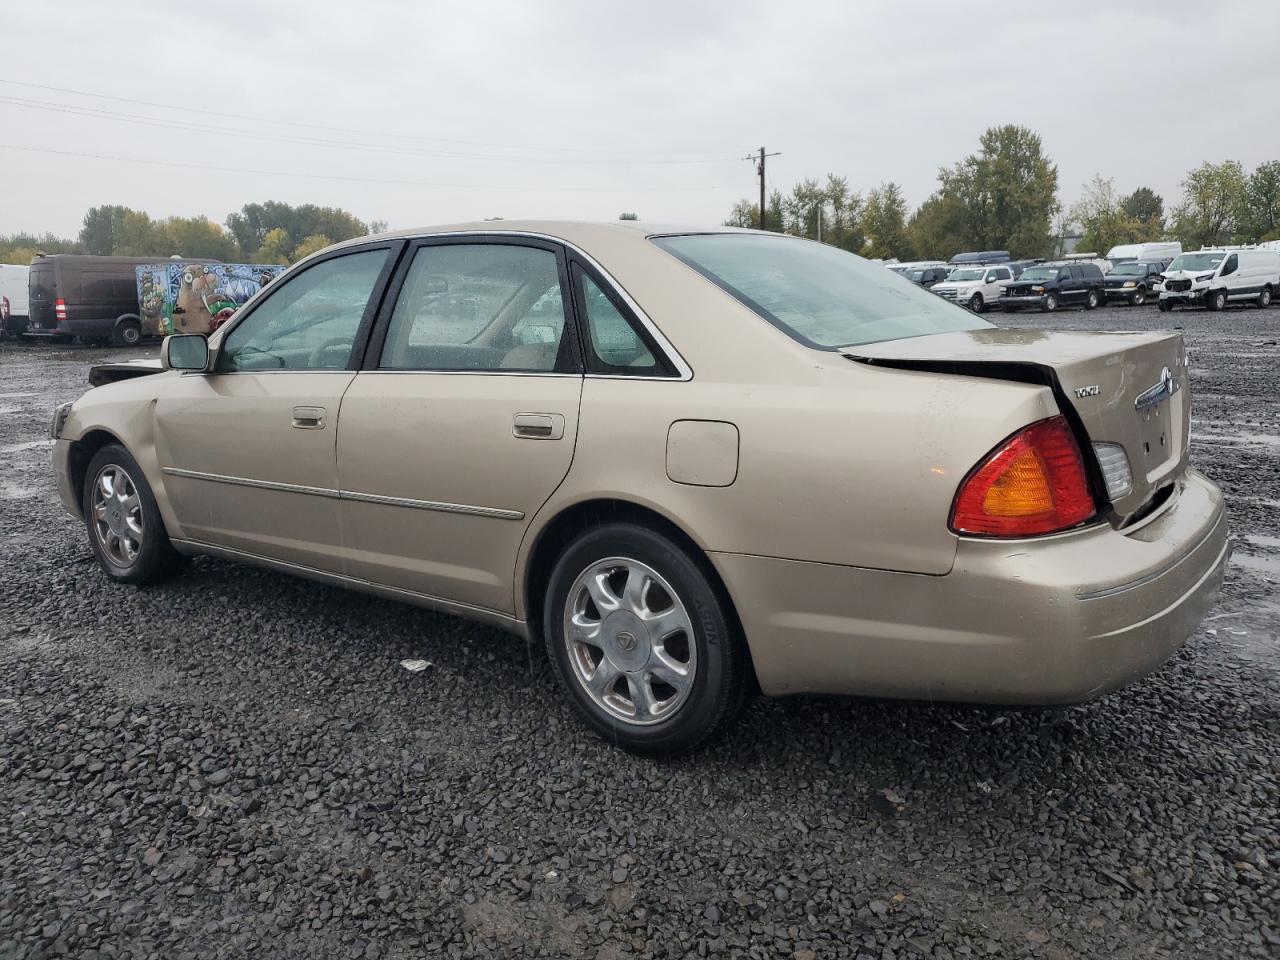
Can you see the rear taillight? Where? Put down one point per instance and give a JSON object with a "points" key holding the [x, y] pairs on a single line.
{"points": [[4, 308], [60, 309], [1033, 483]]}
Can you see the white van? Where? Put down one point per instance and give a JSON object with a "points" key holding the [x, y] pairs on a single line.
{"points": [[1125, 252], [1215, 278], [13, 299]]}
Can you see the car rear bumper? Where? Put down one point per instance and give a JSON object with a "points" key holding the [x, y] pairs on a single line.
{"points": [[1053, 621]]}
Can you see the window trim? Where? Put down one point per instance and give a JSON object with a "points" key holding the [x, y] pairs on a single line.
{"points": [[382, 324], [594, 365], [359, 345]]}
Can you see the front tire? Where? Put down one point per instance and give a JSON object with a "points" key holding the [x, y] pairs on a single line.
{"points": [[126, 532], [1217, 300], [642, 643], [1139, 297], [976, 303], [1091, 301], [1050, 303]]}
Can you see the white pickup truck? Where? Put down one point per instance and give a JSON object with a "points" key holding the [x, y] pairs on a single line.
{"points": [[975, 287]]}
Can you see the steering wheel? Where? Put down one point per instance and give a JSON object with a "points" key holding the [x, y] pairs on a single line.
{"points": [[314, 358]]}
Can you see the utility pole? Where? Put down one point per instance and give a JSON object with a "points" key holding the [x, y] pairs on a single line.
{"points": [[759, 158]]}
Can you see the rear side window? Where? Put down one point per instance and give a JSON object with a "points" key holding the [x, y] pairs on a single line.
{"points": [[817, 294], [615, 342]]}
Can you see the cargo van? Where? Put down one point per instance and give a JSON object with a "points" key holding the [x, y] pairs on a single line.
{"points": [[94, 298], [1214, 278], [1125, 252], [13, 299]]}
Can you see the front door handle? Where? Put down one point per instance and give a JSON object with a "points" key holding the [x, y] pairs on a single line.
{"points": [[308, 418], [538, 426]]}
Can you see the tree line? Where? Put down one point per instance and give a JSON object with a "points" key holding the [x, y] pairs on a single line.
{"points": [[1004, 196], [269, 232]]}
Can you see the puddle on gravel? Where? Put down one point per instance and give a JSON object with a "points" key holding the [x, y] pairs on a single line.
{"points": [[15, 396], [11, 491]]}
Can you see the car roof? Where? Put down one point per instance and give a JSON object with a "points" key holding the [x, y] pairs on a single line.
{"points": [[570, 231]]}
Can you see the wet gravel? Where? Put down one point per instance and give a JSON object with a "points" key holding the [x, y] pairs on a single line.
{"points": [[235, 764]]}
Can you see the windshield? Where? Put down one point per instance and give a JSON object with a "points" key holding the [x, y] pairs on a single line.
{"points": [[1129, 270], [1196, 261], [818, 294], [969, 274], [1039, 273]]}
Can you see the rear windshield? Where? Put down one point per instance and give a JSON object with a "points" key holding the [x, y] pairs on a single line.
{"points": [[818, 294]]}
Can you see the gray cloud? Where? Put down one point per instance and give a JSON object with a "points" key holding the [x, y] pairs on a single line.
{"points": [[591, 102]]}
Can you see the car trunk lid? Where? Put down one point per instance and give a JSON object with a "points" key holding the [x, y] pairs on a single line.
{"points": [[1122, 388]]}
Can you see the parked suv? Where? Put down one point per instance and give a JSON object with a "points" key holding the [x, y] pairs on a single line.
{"points": [[975, 287], [1049, 286], [1217, 277], [1135, 281], [926, 276]]}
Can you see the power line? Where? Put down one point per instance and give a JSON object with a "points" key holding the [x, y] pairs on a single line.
{"points": [[191, 126], [278, 121], [373, 180]]}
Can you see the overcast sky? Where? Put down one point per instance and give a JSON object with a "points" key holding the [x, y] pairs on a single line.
{"points": [[422, 113]]}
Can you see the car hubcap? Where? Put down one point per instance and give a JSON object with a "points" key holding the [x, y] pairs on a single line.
{"points": [[117, 515], [630, 641]]}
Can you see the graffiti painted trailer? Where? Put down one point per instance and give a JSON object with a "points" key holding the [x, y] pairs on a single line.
{"points": [[196, 297]]}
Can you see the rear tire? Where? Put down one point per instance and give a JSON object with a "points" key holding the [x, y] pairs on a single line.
{"points": [[1264, 298], [126, 531], [1091, 301], [691, 640], [128, 333]]}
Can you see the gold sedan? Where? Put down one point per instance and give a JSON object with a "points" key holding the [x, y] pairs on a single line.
{"points": [[696, 464]]}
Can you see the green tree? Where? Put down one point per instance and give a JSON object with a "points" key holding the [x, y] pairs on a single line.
{"points": [[744, 214], [884, 222], [274, 248], [255, 220], [1102, 215], [199, 237], [1212, 205], [140, 236], [21, 248], [309, 245], [1008, 191], [102, 229], [936, 230], [1261, 215], [1147, 207]]}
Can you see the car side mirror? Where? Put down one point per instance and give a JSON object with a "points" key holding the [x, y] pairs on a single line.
{"points": [[188, 351]]}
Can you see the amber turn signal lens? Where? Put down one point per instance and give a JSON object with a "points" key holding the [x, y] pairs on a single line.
{"points": [[1032, 484]]}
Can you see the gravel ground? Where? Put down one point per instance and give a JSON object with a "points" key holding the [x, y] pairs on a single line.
{"points": [[235, 764]]}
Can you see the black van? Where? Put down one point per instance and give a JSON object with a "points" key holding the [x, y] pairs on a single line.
{"points": [[94, 298]]}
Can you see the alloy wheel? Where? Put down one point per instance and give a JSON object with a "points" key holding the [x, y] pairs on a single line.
{"points": [[117, 515], [630, 641]]}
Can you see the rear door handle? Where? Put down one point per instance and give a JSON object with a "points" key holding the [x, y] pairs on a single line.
{"points": [[308, 418], [538, 426]]}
